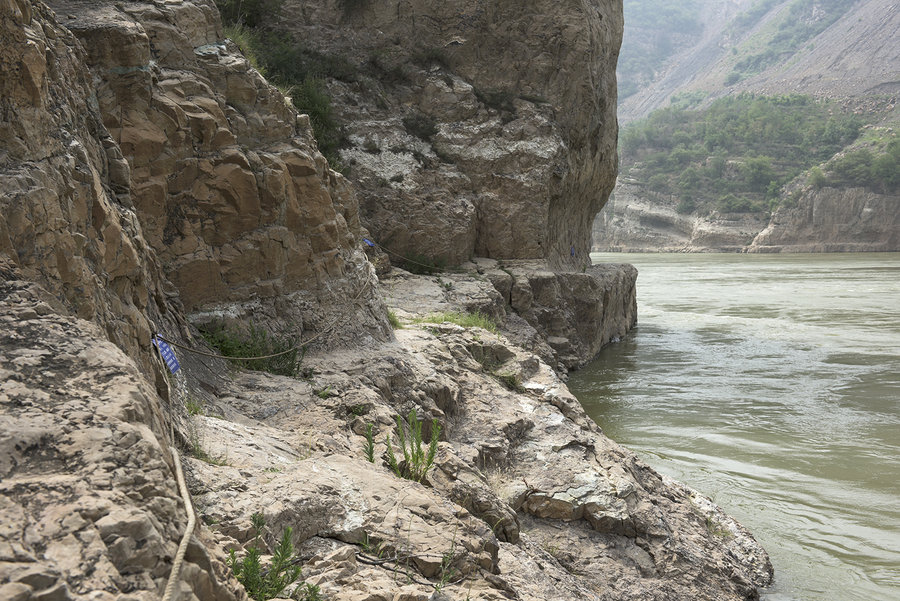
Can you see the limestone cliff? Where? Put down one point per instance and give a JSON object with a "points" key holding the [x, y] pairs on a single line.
{"points": [[242, 211], [825, 220], [150, 178], [520, 102], [833, 220], [639, 220]]}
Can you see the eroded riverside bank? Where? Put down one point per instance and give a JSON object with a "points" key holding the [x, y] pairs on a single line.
{"points": [[771, 383]]}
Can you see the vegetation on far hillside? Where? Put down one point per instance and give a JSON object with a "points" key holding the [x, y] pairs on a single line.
{"points": [[736, 154], [876, 168], [799, 23]]}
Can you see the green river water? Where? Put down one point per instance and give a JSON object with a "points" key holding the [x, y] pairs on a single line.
{"points": [[771, 383]]}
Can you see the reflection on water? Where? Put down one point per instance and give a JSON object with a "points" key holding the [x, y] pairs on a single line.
{"points": [[771, 383]]}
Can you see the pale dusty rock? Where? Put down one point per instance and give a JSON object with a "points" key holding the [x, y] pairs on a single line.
{"points": [[522, 100], [564, 317], [826, 220], [525, 484], [637, 220], [89, 500]]}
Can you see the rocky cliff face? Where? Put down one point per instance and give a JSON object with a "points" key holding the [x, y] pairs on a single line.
{"points": [[150, 178], [833, 220], [242, 211], [520, 102], [638, 220], [826, 220]]}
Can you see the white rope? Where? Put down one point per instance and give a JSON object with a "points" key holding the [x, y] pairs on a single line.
{"points": [[182, 548]]}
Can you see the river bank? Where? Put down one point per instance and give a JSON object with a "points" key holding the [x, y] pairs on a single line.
{"points": [[497, 518]]}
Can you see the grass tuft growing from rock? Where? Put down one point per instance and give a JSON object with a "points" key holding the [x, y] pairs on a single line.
{"points": [[466, 320], [416, 459]]}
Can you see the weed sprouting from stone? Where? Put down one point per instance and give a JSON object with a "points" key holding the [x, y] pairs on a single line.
{"points": [[370, 444], [263, 584], [417, 460], [466, 320]]}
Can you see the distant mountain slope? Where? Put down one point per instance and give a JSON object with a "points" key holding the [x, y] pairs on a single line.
{"points": [[834, 49], [770, 126], [825, 48]]}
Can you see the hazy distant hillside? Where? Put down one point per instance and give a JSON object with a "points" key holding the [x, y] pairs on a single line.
{"points": [[826, 48], [740, 117]]}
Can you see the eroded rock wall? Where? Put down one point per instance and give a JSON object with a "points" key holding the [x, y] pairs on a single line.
{"points": [[89, 503], [66, 220], [242, 210], [825, 220], [834, 220], [638, 220], [522, 100]]}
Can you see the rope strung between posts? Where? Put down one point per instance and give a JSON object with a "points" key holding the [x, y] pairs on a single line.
{"points": [[298, 347], [186, 538]]}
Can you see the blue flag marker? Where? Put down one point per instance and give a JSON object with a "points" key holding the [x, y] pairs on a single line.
{"points": [[369, 242], [168, 354]]}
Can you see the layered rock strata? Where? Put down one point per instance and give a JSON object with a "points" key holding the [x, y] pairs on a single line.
{"points": [[528, 499], [833, 220], [636, 220], [825, 220], [241, 209], [564, 317]]}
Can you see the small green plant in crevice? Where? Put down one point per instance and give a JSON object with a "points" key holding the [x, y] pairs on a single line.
{"points": [[196, 447], [324, 393], [193, 406], [247, 41], [251, 13], [510, 381], [715, 528], [394, 320], [359, 409], [417, 459], [198, 452], [262, 583], [429, 56], [256, 342], [447, 570], [370, 444], [421, 126], [370, 547], [466, 320], [498, 100]]}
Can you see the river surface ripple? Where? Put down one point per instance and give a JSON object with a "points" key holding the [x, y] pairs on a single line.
{"points": [[771, 383]]}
